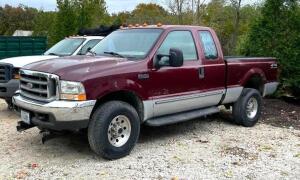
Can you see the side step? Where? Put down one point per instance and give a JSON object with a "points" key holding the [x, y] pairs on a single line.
{"points": [[180, 117]]}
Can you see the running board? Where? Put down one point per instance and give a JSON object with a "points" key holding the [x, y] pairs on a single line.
{"points": [[181, 117]]}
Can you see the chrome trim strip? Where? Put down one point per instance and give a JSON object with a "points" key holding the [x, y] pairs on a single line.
{"points": [[270, 88], [182, 98], [232, 94]]}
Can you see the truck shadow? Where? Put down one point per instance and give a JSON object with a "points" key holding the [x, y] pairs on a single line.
{"points": [[193, 126]]}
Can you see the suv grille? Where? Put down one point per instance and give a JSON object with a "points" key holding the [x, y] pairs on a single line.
{"points": [[38, 86], [5, 72]]}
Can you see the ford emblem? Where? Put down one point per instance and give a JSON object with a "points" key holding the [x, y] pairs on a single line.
{"points": [[29, 85]]}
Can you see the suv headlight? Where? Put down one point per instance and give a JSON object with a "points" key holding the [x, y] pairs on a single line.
{"points": [[72, 91]]}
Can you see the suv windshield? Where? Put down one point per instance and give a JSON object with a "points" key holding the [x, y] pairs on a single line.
{"points": [[133, 43], [65, 47]]}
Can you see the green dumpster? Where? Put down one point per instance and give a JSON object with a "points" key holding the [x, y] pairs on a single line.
{"points": [[13, 46]]}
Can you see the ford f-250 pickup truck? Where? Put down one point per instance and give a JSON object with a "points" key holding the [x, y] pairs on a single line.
{"points": [[9, 67], [153, 75]]}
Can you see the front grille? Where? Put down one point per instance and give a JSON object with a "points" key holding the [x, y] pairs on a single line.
{"points": [[5, 72], [38, 86]]}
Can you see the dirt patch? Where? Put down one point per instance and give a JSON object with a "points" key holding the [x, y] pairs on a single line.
{"points": [[281, 114], [240, 152]]}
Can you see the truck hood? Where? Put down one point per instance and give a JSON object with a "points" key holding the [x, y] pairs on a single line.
{"points": [[24, 60], [78, 68]]}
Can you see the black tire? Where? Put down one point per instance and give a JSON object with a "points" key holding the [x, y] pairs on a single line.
{"points": [[239, 110], [9, 104], [99, 127]]}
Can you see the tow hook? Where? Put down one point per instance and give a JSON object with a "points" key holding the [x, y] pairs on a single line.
{"points": [[22, 126]]}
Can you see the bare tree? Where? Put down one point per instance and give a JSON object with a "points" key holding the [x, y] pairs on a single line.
{"points": [[236, 4], [199, 8], [177, 7]]}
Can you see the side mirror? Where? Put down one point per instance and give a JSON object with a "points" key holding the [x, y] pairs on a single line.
{"points": [[174, 59]]}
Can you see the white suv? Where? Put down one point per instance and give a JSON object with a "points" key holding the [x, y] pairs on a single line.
{"points": [[9, 68]]}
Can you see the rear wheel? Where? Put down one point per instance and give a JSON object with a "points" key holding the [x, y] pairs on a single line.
{"points": [[114, 130], [247, 110]]}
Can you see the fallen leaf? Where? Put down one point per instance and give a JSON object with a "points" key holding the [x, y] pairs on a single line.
{"points": [[297, 155], [174, 178], [22, 174], [202, 141], [228, 174], [265, 148]]}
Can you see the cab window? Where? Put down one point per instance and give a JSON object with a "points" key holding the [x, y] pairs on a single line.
{"points": [[208, 44], [89, 45], [182, 40]]}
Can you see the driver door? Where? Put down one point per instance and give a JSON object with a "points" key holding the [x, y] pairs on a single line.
{"points": [[175, 89]]}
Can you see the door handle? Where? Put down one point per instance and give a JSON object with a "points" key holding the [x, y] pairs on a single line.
{"points": [[201, 73]]}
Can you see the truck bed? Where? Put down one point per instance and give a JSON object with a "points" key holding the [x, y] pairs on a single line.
{"points": [[238, 69]]}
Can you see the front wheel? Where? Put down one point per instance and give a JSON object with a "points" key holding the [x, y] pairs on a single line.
{"points": [[114, 130], [247, 110]]}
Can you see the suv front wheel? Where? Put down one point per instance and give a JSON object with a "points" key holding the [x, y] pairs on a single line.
{"points": [[114, 130]]}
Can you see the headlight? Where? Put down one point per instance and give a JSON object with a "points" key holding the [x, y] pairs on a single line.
{"points": [[72, 91]]}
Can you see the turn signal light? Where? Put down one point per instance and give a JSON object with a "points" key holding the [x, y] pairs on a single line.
{"points": [[73, 97], [17, 76]]}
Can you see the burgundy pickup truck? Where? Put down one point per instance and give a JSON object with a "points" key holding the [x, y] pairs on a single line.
{"points": [[153, 75]]}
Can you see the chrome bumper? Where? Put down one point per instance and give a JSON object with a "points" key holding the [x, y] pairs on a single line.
{"points": [[270, 88], [63, 111]]}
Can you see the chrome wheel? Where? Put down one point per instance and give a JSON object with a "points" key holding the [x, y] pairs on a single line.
{"points": [[119, 131], [252, 108]]}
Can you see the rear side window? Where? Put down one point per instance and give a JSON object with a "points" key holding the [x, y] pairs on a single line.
{"points": [[182, 40], [89, 45], [210, 50]]}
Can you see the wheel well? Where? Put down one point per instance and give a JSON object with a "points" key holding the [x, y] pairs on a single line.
{"points": [[125, 96], [255, 82]]}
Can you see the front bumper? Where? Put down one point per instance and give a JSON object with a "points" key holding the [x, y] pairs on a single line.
{"points": [[57, 115], [8, 89]]}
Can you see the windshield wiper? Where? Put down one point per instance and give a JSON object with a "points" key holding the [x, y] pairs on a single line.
{"points": [[115, 54], [54, 54]]}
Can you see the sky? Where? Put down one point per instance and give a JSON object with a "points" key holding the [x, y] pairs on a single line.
{"points": [[50, 5], [113, 6]]}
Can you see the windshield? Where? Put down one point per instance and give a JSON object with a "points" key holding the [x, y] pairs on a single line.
{"points": [[133, 43], [65, 47]]}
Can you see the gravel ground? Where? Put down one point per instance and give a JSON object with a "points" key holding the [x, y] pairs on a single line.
{"points": [[211, 148]]}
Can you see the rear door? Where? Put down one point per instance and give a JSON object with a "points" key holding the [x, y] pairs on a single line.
{"points": [[213, 65]]}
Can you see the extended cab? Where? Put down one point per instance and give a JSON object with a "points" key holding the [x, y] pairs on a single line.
{"points": [[9, 68], [154, 75]]}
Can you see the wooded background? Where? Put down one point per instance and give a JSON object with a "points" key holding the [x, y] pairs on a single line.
{"points": [[267, 28]]}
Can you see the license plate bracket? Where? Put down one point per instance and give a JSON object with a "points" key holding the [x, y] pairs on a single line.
{"points": [[25, 117]]}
